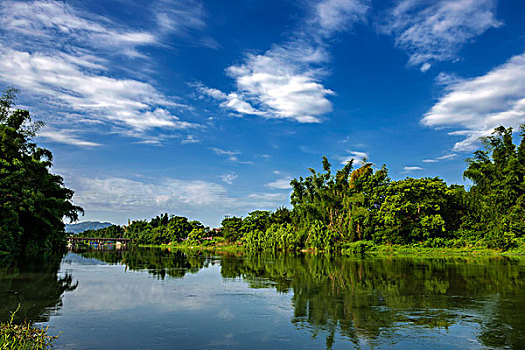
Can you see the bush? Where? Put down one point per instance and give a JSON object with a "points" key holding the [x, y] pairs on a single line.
{"points": [[24, 336], [358, 248]]}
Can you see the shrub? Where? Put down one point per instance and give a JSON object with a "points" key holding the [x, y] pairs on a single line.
{"points": [[24, 336]]}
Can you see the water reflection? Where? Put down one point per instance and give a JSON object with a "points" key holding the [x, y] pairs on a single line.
{"points": [[34, 284], [371, 299]]}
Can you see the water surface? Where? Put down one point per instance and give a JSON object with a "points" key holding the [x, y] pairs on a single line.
{"points": [[157, 299]]}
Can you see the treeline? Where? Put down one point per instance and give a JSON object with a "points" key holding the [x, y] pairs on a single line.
{"points": [[33, 201], [354, 208], [351, 208], [163, 229]]}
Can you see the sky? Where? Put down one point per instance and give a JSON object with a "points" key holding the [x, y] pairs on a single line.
{"points": [[209, 108]]}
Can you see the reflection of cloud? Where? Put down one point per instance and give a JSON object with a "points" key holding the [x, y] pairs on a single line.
{"points": [[130, 291]]}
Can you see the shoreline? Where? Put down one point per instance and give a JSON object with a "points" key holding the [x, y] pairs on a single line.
{"points": [[374, 250]]}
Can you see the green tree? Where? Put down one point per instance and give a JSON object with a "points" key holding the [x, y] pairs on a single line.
{"points": [[33, 202], [231, 228], [496, 198], [178, 228], [417, 210]]}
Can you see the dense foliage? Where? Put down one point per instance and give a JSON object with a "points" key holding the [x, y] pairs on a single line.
{"points": [[497, 197], [33, 202], [163, 229], [353, 208]]}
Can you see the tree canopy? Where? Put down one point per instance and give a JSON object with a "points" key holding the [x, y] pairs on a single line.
{"points": [[33, 201]]}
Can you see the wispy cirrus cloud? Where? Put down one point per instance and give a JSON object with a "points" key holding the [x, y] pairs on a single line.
{"points": [[431, 31], [358, 157], [409, 169], [477, 105], [231, 155], [285, 82], [189, 139], [51, 25], [437, 159], [68, 137], [64, 56], [282, 183], [126, 102]]}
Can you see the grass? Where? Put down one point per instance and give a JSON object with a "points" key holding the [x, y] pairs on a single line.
{"points": [[415, 249], [366, 248], [24, 336]]}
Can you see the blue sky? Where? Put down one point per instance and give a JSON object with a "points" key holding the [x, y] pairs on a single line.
{"points": [[209, 108]]}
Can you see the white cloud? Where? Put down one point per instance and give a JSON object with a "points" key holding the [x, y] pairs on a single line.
{"points": [[480, 104], [183, 18], [62, 57], [58, 22], [180, 16], [266, 199], [229, 178], [121, 101], [190, 139], [124, 194], [357, 156], [223, 152], [446, 80], [66, 137], [285, 82], [436, 30], [338, 15], [279, 87], [447, 156], [435, 160], [411, 168], [232, 155], [283, 183]]}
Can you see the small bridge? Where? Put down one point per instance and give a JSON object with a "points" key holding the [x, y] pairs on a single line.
{"points": [[73, 240]]}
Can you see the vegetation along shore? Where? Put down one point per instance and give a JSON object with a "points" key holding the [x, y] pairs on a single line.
{"points": [[359, 209]]}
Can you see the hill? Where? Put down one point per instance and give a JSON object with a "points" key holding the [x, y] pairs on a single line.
{"points": [[86, 225]]}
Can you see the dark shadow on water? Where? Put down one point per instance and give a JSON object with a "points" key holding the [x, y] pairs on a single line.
{"points": [[33, 283]]}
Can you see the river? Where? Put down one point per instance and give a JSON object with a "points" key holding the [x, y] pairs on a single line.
{"points": [[157, 299]]}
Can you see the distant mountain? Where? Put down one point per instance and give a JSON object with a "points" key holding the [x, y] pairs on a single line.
{"points": [[86, 225]]}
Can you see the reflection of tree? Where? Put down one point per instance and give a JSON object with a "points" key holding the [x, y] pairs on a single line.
{"points": [[364, 298], [158, 262], [33, 283], [367, 298]]}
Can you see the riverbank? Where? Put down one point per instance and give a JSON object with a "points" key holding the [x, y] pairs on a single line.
{"points": [[365, 248], [433, 251]]}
